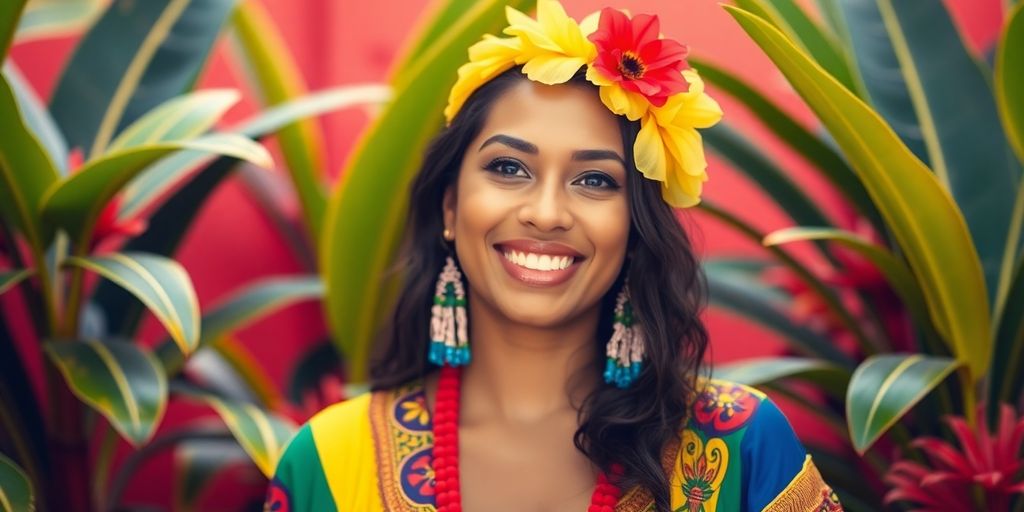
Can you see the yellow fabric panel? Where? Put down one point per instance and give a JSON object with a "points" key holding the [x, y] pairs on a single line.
{"points": [[344, 443]]}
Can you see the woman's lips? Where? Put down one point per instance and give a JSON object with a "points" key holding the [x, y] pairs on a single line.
{"points": [[553, 264]]}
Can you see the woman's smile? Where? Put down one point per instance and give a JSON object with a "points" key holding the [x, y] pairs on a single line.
{"points": [[537, 263]]}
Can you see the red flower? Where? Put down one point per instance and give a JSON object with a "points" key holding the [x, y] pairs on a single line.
{"points": [[631, 53], [987, 463]]}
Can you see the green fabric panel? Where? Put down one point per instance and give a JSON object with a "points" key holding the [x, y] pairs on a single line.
{"points": [[300, 474], [732, 487]]}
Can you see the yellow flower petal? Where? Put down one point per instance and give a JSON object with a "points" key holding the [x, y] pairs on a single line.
{"points": [[677, 197], [552, 69], [686, 149], [621, 101], [488, 58], [589, 24], [649, 151]]}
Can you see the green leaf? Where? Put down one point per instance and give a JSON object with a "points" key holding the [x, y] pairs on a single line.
{"points": [[892, 268], [279, 79], [367, 208], [880, 70], [793, 134], [10, 279], [959, 121], [137, 56], [758, 371], [886, 387], [789, 18], [21, 191], [37, 118], [121, 381], [47, 19], [741, 294], [158, 282], [10, 13], [180, 118], [923, 218], [244, 307], [262, 434], [1006, 382], [197, 462], [1009, 77], [15, 488], [145, 190], [74, 204]]}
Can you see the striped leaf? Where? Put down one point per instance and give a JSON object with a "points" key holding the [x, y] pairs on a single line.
{"points": [[959, 120], [74, 204], [766, 370], [158, 282], [184, 117], [923, 218], [155, 182], [367, 208], [886, 387], [1009, 77], [137, 56], [244, 307], [10, 279], [197, 463], [892, 268], [262, 434], [121, 381], [47, 19], [21, 193], [15, 488], [279, 79], [37, 118]]}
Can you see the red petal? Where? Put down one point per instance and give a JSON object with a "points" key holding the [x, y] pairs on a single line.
{"points": [[941, 453], [663, 53], [644, 28], [968, 443]]}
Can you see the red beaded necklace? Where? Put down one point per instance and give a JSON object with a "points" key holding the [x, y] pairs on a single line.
{"points": [[446, 451]]}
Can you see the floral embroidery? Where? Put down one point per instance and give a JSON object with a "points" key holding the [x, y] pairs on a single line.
{"points": [[700, 472], [417, 477], [411, 412], [278, 499], [829, 501], [725, 407]]}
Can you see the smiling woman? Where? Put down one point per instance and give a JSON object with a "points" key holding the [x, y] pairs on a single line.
{"points": [[547, 207]]}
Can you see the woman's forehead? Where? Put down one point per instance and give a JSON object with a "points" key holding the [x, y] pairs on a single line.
{"points": [[553, 117]]}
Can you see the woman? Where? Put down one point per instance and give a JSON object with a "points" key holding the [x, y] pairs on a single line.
{"points": [[546, 206]]}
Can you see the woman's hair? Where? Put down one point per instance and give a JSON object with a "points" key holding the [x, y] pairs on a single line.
{"points": [[667, 290]]}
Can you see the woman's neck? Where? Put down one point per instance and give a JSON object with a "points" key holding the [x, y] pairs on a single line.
{"points": [[527, 374]]}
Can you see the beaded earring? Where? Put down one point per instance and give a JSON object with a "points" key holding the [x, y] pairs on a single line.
{"points": [[626, 347], [449, 341]]}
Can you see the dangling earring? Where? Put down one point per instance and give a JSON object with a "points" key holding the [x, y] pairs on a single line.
{"points": [[626, 347], [449, 342]]}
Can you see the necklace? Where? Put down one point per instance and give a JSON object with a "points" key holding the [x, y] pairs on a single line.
{"points": [[446, 451]]}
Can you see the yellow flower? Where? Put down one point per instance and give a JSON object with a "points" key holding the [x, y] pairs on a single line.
{"points": [[554, 46], [488, 58], [669, 149]]}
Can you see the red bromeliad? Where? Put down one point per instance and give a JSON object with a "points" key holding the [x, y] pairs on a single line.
{"points": [[986, 464], [631, 53]]}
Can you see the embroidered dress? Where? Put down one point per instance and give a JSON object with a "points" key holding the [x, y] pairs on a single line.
{"points": [[373, 454]]}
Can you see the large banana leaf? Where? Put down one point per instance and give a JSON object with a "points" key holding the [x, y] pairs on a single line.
{"points": [[279, 79], [15, 488], [885, 387], [10, 14], [923, 217], [44, 19], [242, 308], [880, 69], [959, 121], [183, 117], [37, 118], [25, 171], [138, 55], [121, 381], [158, 282], [367, 208], [74, 204], [765, 370]]}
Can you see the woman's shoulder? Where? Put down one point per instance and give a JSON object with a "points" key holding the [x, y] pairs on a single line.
{"points": [[739, 452]]}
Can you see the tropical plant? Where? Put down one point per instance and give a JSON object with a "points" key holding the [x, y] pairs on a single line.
{"points": [[914, 308]]}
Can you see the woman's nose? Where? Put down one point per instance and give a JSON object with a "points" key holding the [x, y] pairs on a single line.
{"points": [[546, 207]]}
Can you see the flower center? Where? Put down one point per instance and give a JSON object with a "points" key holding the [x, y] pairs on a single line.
{"points": [[631, 66]]}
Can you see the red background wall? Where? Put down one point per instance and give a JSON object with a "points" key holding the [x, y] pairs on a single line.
{"points": [[345, 42]]}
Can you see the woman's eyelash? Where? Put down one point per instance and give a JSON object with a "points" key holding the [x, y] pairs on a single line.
{"points": [[501, 165], [605, 181]]}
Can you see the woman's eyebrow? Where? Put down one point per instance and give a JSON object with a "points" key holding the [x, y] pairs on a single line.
{"points": [[578, 155], [597, 154], [511, 142]]}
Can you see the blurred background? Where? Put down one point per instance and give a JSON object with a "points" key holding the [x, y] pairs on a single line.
{"points": [[280, 249]]}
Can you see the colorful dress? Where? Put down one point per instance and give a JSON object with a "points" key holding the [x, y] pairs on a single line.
{"points": [[373, 454]]}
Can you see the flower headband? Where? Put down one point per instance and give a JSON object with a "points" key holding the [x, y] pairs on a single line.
{"points": [[639, 74]]}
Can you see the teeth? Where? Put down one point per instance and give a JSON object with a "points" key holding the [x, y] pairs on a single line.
{"points": [[533, 261]]}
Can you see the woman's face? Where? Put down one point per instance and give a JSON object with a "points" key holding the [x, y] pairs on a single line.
{"points": [[539, 213]]}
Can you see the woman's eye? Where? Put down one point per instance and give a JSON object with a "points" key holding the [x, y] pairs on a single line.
{"points": [[598, 180], [507, 168]]}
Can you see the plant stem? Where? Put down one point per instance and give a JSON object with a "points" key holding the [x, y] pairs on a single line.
{"points": [[101, 469], [68, 446]]}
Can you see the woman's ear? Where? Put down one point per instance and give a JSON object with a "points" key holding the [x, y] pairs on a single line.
{"points": [[448, 206]]}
